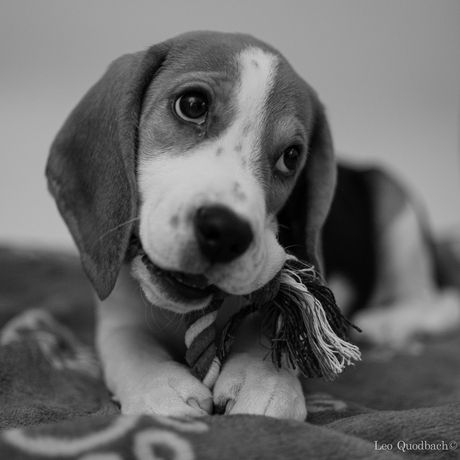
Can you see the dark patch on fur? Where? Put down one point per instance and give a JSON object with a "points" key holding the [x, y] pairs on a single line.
{"points": [[246, 129], [188, 56], [349, 233], [174, 221], [238, 192], [238, 147], [287, 122], [219, 151]]}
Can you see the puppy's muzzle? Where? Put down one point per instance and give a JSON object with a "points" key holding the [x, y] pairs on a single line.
{"points": [[222, 235]]}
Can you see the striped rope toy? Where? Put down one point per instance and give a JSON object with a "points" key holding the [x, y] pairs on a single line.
{"points": [[301, 318], [200, 340]]}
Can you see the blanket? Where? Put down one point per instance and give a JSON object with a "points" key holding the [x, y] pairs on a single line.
{"points": [[53, 402]]}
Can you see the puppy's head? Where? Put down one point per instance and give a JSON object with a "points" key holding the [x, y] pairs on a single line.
{"points": [[197, 143]]}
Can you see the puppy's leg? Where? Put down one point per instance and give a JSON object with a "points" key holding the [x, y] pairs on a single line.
{"points": [[250, 383], [407, 301], [138, 357]]}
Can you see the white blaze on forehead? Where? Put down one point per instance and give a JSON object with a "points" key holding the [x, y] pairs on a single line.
{"points": [[257, 71]]}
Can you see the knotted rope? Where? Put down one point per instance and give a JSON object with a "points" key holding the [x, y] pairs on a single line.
{"points": [[301, 319], [200, 340]]}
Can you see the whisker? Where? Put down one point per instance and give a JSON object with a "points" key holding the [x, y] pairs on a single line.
{"points": [[293, 246], [179, 323], [175, 319], [117, 227], [147, 306], [146, 317]]}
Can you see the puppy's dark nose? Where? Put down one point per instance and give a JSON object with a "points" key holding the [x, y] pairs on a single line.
{"points": [[222, 235]]}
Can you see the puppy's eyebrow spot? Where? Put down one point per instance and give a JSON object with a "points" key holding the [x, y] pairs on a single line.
{"points": [[238, 192], [219, 151], [174, 221], [246, 129]]}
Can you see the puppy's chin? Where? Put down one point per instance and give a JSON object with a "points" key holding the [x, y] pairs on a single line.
{"points": [[162, 295], [160, 299]]}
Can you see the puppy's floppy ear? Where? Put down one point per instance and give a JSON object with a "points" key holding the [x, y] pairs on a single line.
{"points": [[92, 165], [302, 217]]}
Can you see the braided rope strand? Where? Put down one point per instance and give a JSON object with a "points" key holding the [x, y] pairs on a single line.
{"points": [[200, 339]]}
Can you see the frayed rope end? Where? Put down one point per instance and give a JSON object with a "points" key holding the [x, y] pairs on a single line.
{"points": [[300, 317], [305, 324]]}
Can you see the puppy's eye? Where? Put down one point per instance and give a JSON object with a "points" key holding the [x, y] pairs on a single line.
{"points": [[192, 106], [287, 162]]}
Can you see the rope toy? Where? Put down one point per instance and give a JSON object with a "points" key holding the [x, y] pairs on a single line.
{"points": [[200, 340], [301, 319]]}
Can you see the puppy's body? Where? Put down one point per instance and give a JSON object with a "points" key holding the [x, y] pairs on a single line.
{"points": [[192, 148], [380, 260]]}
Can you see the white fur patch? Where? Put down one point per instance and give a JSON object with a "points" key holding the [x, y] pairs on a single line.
{"points": [[257, 76]]}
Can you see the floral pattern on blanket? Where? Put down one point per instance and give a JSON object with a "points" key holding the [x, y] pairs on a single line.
{"points": [[112, 439]]}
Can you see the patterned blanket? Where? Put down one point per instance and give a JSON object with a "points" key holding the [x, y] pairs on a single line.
{"points": [[53, 403]]}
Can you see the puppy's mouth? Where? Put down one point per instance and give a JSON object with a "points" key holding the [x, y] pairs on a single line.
{"points": [[180, 286]]}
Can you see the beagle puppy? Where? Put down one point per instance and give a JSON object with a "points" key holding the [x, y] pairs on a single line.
{"points": [[170, 174], [183, 175]]}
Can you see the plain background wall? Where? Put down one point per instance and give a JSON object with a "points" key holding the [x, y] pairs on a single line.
{"points": [[387, 70]]}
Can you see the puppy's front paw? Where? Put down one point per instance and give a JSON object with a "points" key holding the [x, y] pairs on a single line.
{"points": [[249, 385], [168, 389]]}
